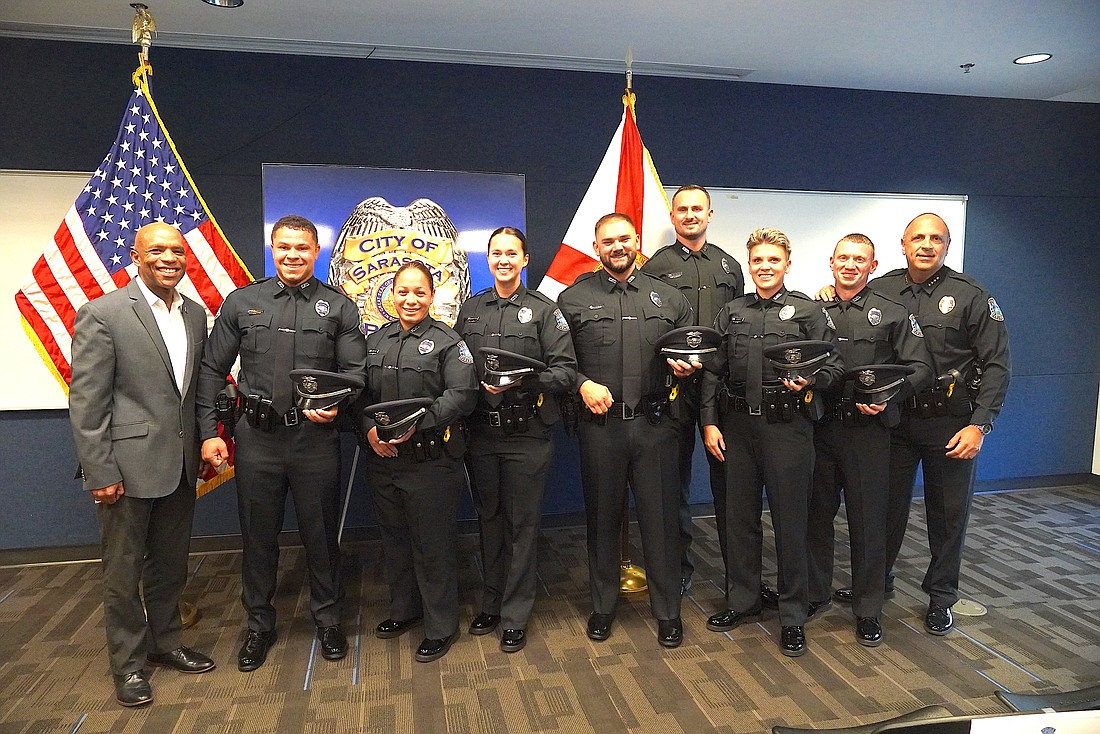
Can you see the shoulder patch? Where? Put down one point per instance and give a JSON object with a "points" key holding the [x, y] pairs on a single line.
{"points": [[995, 310], [464, 355], [828, 318], [915, 326], [559, 320]]}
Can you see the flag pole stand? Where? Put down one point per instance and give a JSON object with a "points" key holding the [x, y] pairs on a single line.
{"points": [[631, 578], [347, 494]]}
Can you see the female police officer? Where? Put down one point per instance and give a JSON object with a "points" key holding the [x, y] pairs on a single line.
{"points": [[758, 431], [417, 478], [510, 439]]}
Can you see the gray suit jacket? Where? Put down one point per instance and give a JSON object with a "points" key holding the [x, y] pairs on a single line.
{"points": [[130, 422]]}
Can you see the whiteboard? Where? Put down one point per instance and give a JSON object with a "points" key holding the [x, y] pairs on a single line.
{"points": [[815, 220], [32, 206]]}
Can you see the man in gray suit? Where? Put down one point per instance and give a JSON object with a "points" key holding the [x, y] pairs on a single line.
{"points": [[135, 365]]}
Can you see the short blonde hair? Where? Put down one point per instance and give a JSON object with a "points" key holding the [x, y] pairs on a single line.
{"points": [[769, 236]]}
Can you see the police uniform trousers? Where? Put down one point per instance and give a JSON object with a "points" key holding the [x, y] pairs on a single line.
{"points": [[304, 459], [507, 480], [417, 508], [948, 488], [643, 456], [778, 457], [689, 401], [144, 543], [853, 459]]}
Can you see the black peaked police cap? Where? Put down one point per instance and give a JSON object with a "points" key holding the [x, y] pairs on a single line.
{"points": [[395, 419], [504, 368], [793, 360], [693, 344], [874, 384], [320, 390]]}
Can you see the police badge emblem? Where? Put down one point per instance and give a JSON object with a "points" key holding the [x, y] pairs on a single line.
{"points": [[308, 383], [694, 339], [382, 418], [793, 356], [492, 362], [946, 304], [866, 377], [874, 317], [786, 312], [426, 346], [915, 326], [525, 315], [655, 298], [995, 311], [322, 308]]}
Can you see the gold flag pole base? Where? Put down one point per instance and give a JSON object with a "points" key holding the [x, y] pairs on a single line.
{"points": [[189, 614], [632, 578]]}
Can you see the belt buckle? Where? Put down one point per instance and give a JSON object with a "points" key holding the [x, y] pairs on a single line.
{"points": [[754, 411], [494, 418], [290, 418], [628, 413]]}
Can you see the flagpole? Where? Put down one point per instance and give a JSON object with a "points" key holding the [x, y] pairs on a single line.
{"points": [[632, 578]]}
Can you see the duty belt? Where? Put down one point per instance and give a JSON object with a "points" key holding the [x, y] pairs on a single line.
{"points": [[778, 405], [262, 416], [947, 396], [653, 407], [509, 418]]}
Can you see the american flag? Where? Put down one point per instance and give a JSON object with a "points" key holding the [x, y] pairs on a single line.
{"points": [[141, 180]]}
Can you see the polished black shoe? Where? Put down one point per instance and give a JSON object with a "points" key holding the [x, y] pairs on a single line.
{"points": [[816, 607], [938, 620], [389, 628], [869, 631], [512, 640], [599, 626], [727, 620], [484, 623], [846, 595], [133, 689], [183, 659], [430, 650], [670, 632], [253, 652], [334, 644], [769, 597], [792, 641]]}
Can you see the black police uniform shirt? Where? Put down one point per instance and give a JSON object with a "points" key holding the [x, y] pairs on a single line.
{"points": [[964, 329], [327, 336], [870, 328], [709, 278], [527, 323], [593, 309], [787, 316], [432, 361]]}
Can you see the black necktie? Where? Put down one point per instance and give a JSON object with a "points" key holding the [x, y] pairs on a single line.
{"points": [[390, 387], [632, 348], [283, 361], [754, 382]]}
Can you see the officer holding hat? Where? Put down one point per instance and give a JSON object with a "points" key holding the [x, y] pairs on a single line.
{"points": [[883, 345], [276, 325], [525, 360], [628, 428], [757, 425], [416, 473]]}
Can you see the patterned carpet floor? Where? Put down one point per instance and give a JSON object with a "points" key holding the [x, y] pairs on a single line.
{"points": [[1032, 559]]}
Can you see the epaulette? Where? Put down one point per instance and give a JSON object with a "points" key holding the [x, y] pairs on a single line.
{"points": [[482, 292], [585, 276], [332, 288], [542, 297], [258, 281], [803, 296]]}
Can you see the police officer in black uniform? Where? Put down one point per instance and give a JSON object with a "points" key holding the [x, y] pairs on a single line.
{"points": [[416, 479], [755, 425], [710, 278], [627, 435], [852, 442], [276, 325], [943, 427], [511, 443]]}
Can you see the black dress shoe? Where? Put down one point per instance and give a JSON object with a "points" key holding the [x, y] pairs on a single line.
{"points": [[599, 626], [792, 641], [484, 623], [869, 631], [769, 597], [133, 689], [389, 628], [334, 644], [817, 607], [512, 640], [670, 632], [938, 620], [183, 659], [847, 595], [430, 650], [727, 620], [253, 652]]}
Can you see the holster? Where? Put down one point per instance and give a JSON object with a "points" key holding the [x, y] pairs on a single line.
{"points": [[227, 408], [570, 412], [655, 407], [430, 444]]}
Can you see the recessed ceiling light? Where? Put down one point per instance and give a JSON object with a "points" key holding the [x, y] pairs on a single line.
{"points": [[1029, 59], [225, 3]]}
